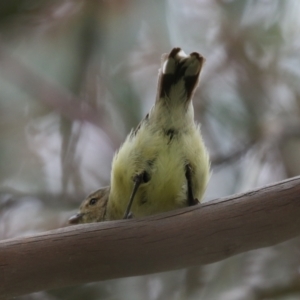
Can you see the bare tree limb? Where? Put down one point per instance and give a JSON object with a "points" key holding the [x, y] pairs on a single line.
{"points": [[192, 236]]}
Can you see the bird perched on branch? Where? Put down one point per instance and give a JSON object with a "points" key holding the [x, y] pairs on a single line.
{"points": [[163, 163]]}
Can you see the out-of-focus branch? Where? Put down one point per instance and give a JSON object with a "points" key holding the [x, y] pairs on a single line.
{"points": [[192, 236], [49, 93], [285, 132], [291, 287], [218, 160]]}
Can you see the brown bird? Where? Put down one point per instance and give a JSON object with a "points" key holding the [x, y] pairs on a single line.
{"points": [[93, 208]]}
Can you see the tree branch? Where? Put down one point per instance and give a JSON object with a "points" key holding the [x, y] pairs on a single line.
{"points": [[197, 235]]}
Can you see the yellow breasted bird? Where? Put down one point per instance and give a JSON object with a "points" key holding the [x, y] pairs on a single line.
{"points": [[163, 164]]}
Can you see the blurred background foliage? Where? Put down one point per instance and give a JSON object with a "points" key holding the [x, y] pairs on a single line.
{"points": [[76, 76]]}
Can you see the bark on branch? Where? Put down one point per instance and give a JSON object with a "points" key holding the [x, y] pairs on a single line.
{"points": [[199, 235]]}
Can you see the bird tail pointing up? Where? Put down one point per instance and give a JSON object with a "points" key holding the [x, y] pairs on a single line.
{"points": [[179, 76]]}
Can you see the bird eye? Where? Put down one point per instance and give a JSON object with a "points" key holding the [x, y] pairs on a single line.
{"points": [[93, 201]]}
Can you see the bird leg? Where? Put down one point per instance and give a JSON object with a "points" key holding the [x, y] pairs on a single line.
{"points": [[188, 174], [138, 180]]}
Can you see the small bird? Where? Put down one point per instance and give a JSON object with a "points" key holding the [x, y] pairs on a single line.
{"points": [[163, 164], [93, 208]]}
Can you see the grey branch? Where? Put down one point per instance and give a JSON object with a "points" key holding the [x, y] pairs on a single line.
{"points": [[198, 235]]}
